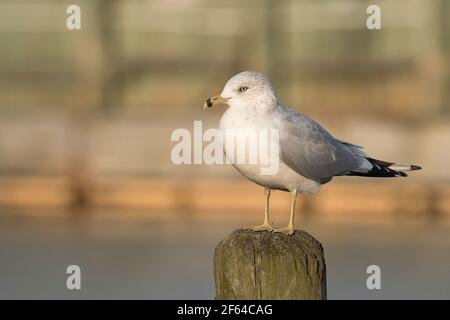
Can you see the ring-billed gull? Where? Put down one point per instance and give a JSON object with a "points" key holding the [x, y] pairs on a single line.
{"points": [[309, 156]]}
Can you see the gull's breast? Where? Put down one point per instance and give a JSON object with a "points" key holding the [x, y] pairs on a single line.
{"points": [[242, 135], [285, 179]]}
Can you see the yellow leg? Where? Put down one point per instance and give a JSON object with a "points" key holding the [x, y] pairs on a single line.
{"points": [[267, 225], [289, 230]]}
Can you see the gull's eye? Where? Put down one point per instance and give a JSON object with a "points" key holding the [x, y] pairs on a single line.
{"points": [[243, 88]]}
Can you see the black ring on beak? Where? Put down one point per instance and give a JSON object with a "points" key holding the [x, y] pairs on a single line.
{"points": [[209, 103]]}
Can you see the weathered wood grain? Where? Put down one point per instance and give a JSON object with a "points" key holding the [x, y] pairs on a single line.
{"points": [[265, 265]]}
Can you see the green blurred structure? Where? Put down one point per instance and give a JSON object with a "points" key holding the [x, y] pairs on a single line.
{"points": [[154, 56]]}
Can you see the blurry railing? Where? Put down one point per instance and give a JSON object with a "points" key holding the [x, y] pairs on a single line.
{"points": [[131, 54], [151, 63]]}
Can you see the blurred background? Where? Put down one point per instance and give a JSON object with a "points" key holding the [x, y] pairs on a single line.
{"points": [[86, 117]]}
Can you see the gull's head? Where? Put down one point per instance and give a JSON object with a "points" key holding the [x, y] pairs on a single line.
{"points": [[246, 89]]}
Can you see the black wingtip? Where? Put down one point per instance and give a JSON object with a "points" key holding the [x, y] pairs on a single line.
{"points": [[414, 167]]}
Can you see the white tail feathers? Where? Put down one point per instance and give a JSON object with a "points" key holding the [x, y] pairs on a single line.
{"points": [[378, 168], [403, 167]]}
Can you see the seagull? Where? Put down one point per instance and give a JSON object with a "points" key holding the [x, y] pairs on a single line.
{"points": [[309, 156]]}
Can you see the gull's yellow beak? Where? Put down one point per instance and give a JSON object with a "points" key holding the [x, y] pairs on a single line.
{"points": [[214, 100]]}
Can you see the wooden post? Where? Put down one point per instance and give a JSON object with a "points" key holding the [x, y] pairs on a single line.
{"points": [[265, 265]]}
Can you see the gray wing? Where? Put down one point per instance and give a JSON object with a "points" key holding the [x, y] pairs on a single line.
{"points": [[311, 151]]}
